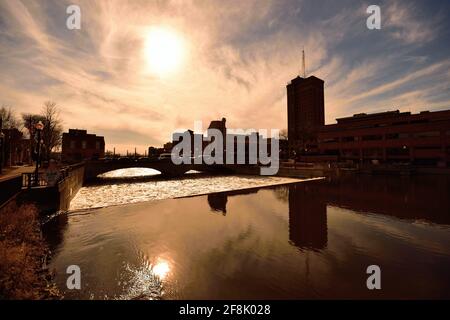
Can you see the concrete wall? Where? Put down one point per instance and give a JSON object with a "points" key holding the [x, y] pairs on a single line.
{"points": [[52, 199], [303, 172], [68, 188], [283, 172], [45, 199]]}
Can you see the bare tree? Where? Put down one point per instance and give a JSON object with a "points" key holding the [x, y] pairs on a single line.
{"points": [[29, 122], [8, 117], [52, 133]]}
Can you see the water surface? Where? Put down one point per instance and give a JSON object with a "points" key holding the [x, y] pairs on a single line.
{"points": [[305, 240], [117, 188]]}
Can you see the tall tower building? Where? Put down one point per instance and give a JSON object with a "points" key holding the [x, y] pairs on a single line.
{"points": [[306, 107]]}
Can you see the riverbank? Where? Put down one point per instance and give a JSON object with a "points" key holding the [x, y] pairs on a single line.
{"points": [[23, 256]]}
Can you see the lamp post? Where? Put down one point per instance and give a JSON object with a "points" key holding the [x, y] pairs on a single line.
{"points": [[2, 142], [2, 148], [39, 127]]}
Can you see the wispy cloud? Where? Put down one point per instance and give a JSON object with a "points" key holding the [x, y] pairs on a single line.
{"points": [[407, 23], [239, 57]]}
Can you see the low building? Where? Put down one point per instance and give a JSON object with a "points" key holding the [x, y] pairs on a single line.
{"points": [[241, 143], [168, 147], [15, 149], [389, 137], [78, 145]]}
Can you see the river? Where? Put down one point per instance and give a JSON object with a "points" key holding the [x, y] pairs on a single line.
{"points": [[280, 239]]}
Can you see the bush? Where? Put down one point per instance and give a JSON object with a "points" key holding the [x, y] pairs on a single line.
{"points": [[22, 255]]}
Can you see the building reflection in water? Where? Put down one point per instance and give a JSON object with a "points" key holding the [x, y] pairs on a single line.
{"points": [[218, 202], [421, 197], [307, 213], [307, 218]]}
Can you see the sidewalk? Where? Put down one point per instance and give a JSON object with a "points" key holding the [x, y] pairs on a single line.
{"points": [[10, 172]]}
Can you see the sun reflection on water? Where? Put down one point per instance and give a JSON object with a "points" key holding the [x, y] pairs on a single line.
{"points": [[161, 269], [146, 281]]}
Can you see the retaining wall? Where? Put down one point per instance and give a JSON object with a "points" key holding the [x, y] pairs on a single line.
{"points": [[57, 198], [10, 187]]}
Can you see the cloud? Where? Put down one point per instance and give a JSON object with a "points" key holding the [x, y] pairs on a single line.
{"points": [[406, 23], [239, 58]]}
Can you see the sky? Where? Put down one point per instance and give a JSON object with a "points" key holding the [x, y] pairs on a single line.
{"points": [[228, 59]]}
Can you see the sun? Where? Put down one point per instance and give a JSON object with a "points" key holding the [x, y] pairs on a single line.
{"points": [[164, 50]]}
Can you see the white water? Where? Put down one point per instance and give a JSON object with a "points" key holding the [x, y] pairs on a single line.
{"points": [[118, 193]]}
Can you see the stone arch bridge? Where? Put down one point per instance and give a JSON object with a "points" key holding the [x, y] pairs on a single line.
{"points": [[166, 167]]}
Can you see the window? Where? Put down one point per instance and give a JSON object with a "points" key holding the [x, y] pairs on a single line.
{"points": [[330, 140], [391, 136], [373, 152], [427, 134], [83, 144], [350, 153], [97, 145], [404, 151], [420, 121], [400, 123], [348, 139], [72, 144], [372, 137], [437, 149]]}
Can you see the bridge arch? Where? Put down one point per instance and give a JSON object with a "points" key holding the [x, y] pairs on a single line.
{"points": [[132, 172], [166, 167]]}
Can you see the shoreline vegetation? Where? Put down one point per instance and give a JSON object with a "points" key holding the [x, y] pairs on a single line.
{"points": [[23, 256]]}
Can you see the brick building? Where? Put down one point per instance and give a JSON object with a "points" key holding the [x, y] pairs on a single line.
{"points": [[15, 149], [306, 110], [393, 136], [78, 145], [385, 137]]}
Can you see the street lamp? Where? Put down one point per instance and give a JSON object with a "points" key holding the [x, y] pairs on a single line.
{"points": [[2, 142], [39, 127], [2, 139]]}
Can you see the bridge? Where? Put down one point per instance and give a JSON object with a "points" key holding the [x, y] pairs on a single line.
{"points": [[166, 167], [52, 195]]}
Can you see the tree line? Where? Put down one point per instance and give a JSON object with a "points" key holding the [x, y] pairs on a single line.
{"points": [[51, 135]]}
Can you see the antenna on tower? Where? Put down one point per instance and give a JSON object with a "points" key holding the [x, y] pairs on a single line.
{"points": [[303, 62]]}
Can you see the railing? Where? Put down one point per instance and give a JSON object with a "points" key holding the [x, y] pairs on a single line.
{"points": [[64, 173], [45, 179], [29, 180]]}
